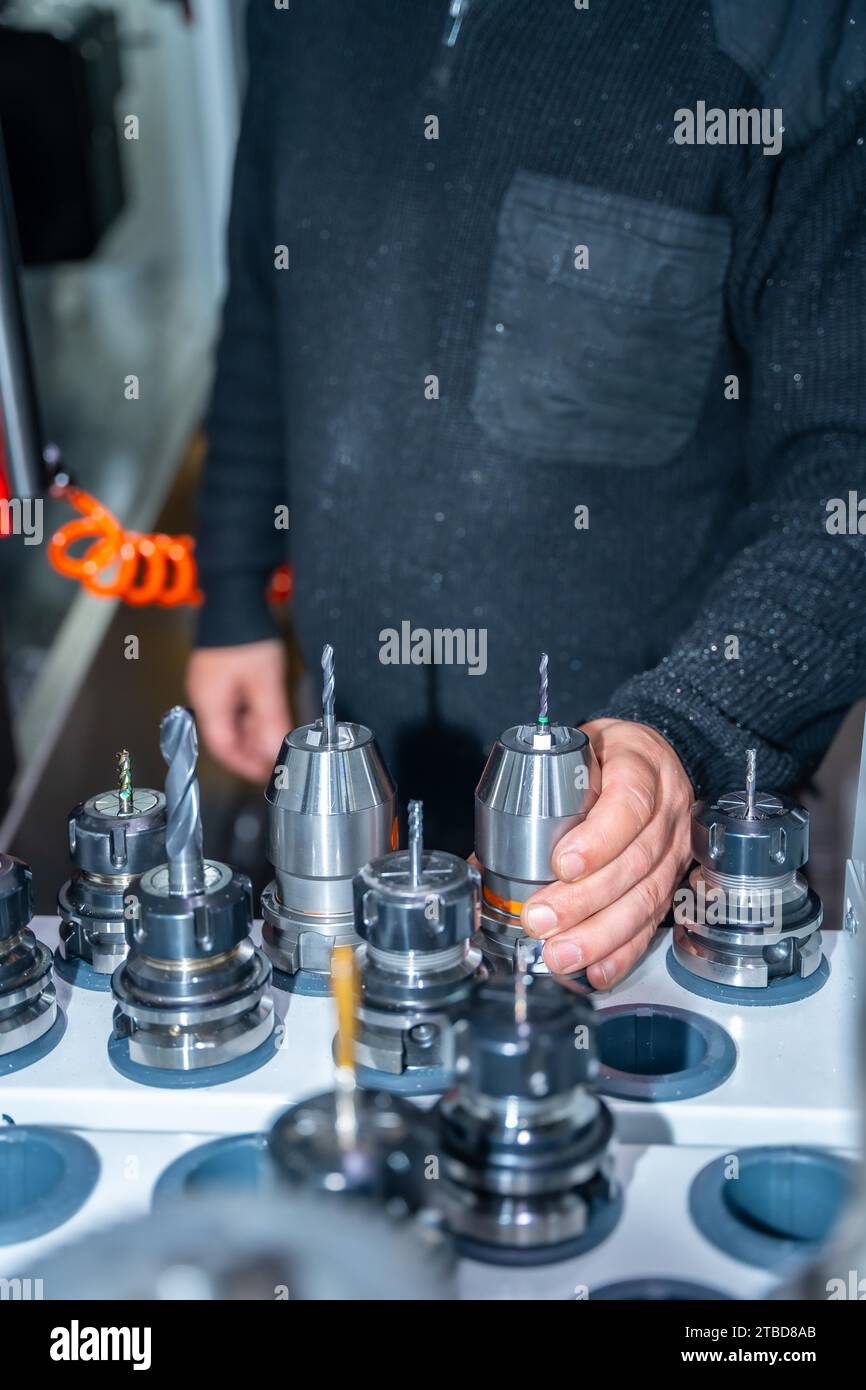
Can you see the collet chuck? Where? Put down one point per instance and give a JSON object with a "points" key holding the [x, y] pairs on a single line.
{"points": [[331, 809], [525, 1170], [747, 919], [193, 991], [417, 913], [540, 781], [114, 837], [28, 1001]]}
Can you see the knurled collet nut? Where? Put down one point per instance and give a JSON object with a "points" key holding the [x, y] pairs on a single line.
{"points": [[774, 843]]}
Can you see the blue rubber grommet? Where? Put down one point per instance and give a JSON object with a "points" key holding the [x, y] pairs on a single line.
{"points": [[35, 1051], [654, 1052], [118, 1056], [46, 1176], [417, 1081], [303, 982], [604, 1215], [787, 989], [237, 1162], [658, 1290], [771, 1206], [81, 974]]}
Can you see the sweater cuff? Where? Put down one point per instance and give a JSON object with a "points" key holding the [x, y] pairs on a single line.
{"points": [[677, 727], [235, 611]]}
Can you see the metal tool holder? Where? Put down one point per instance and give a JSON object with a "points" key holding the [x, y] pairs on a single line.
{"points": [[417, 912], [539, 782], [193, 998], [748, 929], [114, 837], [523, 1140], [331, 809], [787, 1110], [28, 1000]]}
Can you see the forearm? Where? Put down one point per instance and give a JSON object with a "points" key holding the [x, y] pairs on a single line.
{"points": [[778, 652], [240, 540]]}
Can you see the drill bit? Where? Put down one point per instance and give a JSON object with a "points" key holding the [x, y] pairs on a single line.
{"points": [[416, 840], [183, 834], [543, 717], [751, 760], [124, 782], [328, 692]]}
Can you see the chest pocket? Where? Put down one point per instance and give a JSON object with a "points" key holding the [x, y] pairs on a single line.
{"points": [[607, 364]]}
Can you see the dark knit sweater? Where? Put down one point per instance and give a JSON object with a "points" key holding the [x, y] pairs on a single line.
{"points": [[558, 388]]}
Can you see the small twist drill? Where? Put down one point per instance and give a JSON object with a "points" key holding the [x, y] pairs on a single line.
{"points": [[543, 717], [124, 782], [751, 781], [416, 840], [328, 723]]}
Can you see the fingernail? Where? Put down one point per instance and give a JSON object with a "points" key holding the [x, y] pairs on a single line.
{"points": [[563, 955], [571, 864], [540, 920], [601, 972]]}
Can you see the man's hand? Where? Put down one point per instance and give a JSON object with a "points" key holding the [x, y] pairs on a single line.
{"points": [[618, 870], [240, 702]]}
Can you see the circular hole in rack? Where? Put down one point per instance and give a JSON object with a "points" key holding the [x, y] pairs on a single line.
{"points": [[770, 1206], [657, 1290], [46, 1175], [238, 1161], [652, 1052]]}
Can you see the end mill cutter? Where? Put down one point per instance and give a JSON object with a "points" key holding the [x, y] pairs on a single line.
{"points": [[114, 838], [331, 808], [193, 990], [28, 1001], [540, 781], [525, 1169], [748, 919], [417, 911]]}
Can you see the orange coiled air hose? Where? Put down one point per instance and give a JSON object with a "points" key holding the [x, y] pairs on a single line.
{"points": [[139, 569]]}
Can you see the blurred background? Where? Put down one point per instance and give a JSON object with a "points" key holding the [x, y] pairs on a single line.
{"points": [[122, 246]]}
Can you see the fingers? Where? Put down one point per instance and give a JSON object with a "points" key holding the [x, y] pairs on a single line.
{"points": [[240, 703], [616, 871], [227, 736], [607, 931], [616, 966], [265, 725], [629, 792], [559, 905], [214, 705]]}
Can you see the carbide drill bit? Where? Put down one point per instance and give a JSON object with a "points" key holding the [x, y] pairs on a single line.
{"points": [[543, 718], [751, 760], [416, 840], [124, 782], [183, 834], [328, 692]]}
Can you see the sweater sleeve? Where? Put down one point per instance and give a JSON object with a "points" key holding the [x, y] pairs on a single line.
{"points": [[244, 481], [778, 652]]}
